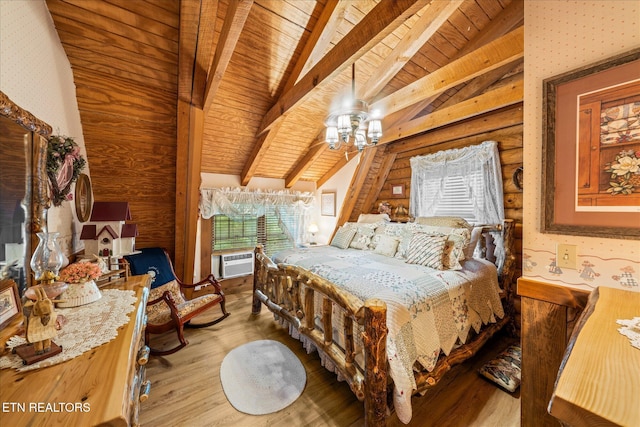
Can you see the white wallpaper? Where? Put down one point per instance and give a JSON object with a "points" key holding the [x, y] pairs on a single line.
{"points": [[561, 36], [36, 75]]}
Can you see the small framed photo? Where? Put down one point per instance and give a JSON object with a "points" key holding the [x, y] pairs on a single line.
{"points": [[9, 302], [328, 204], [397, 190]]}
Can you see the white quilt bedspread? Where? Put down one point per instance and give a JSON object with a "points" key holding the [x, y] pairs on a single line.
{"points": [[427, 310]]}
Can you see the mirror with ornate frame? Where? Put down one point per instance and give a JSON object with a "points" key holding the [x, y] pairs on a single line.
{"points": [[24, 195]]}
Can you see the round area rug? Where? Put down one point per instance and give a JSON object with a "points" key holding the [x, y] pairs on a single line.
{"points": [[262, 377]]}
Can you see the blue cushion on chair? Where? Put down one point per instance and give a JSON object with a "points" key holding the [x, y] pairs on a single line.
{"points": [[154, 262]]}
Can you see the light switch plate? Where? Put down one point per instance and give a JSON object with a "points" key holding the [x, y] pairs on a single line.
{"points": [[566, 256]]}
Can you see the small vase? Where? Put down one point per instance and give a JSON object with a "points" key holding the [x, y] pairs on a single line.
{"points": [[79, 294], [47, 258]]}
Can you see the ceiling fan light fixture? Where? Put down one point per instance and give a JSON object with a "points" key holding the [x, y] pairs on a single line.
{"points": [[352, 121]]}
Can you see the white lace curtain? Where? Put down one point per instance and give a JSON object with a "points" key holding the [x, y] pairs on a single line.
{"points": [[238, 202], [429, 173]]}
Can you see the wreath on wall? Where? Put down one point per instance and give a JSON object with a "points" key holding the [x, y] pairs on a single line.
{"points": [[64, 165]]}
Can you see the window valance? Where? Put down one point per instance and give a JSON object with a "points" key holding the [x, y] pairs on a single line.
{"points": [[237, 202]]}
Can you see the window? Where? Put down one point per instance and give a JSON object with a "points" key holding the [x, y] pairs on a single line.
{"points": [[270, 230], [236, 233], [458, 198]]}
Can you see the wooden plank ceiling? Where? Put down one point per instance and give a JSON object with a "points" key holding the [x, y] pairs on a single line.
{"points": [[266, 72]]}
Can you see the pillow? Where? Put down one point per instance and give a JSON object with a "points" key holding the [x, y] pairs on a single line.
{"points": [[386, 245], [404, 237], [362, 238], [427, 250], [476, 232], [371, 218], [452, 253], [462, 240], [444, 221], [343, 237], [504, 370]]}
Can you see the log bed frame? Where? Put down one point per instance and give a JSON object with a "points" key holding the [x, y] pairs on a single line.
{"points": [[289, 291]]}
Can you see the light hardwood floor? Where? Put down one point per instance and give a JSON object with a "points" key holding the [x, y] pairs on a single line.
{"points": [[186, 388]]}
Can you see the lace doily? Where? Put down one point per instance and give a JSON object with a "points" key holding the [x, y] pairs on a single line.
{"points": [[88, 326], [631, 330]]}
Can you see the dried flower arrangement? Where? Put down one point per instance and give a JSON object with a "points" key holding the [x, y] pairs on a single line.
{"points": [[79, 272]]}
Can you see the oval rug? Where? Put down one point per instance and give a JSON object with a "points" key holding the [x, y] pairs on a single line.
{"points": [[262, 377]]}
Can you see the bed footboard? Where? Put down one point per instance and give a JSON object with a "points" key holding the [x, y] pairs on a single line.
{"points": [[289, 292]]}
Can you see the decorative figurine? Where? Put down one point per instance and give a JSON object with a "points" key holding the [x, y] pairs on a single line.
{"points": [[40, 329], [41, 323]]}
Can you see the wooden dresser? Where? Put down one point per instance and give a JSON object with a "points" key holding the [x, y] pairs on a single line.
{"points": [[101, 387]]}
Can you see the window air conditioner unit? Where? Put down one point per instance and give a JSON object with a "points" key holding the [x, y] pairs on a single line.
{"points": [[236, 264]]}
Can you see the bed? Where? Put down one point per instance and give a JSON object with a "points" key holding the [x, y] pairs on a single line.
{"points": [[388, 325]]}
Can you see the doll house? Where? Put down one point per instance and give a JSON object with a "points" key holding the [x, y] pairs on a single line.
{"points": [[107, 234]]}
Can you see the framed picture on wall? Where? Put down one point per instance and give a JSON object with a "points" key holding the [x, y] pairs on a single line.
{"points": [[591, 149], [10, 306], [397, 190], [328, 204]]}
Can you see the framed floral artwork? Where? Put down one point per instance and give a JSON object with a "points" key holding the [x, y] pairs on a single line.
{"points": [[328, 204], [591, 150], [10, 306]]}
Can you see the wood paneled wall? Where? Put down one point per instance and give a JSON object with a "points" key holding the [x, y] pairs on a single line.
{"points": [[130, 134]]}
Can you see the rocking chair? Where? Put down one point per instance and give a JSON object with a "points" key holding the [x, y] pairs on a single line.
{"points": [[167, 307]]}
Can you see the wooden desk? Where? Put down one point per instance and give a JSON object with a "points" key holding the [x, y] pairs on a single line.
{"points": [[100, 387], [599, 379]]}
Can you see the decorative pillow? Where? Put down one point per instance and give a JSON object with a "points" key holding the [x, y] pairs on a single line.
{"points": [[386, 245], [372, 218], [504, 370], [452, 249], [427, 250], [476, 232], [343, 237], [405, 239], [444, 221], [362, 239], [463, 233]]}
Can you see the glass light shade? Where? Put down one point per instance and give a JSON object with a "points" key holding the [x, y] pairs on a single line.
{"points": [[313, 228], [344, 123], [360, 140], [375, 130], [47, 258], [331, 136]]}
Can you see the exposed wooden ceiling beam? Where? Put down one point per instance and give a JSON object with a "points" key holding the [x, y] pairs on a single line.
{"points": [[357, 182], [334, 170], [312, 155], [490, 101], [383, 19], [323, 31], [320, 32], [190, 21], [433, 16], [260, 149], [237, 13], [379, 181], [507, 49], [204, 50], [366, 34], [511, 17]]}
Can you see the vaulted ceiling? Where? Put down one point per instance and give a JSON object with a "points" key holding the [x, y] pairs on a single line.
{"points": [[266, 72]]}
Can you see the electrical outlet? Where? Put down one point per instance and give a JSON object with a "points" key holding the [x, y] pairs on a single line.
{"points": [[566, 256]]}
